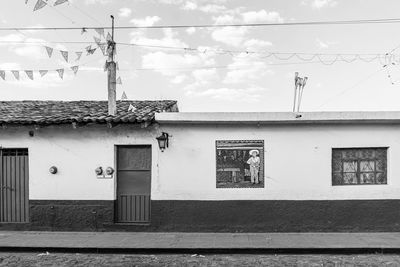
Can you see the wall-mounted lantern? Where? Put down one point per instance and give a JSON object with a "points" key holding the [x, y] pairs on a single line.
{"points": [[53, 170], [99, 171], [163, 141]]}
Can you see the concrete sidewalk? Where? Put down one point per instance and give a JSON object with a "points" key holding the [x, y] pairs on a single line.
{"points": [[131, 241]]}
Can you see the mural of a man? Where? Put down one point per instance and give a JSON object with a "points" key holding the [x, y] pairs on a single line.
{"points": [[254, 162]]}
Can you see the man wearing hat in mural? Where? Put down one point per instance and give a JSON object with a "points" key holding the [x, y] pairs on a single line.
{"points": [[254, 162]]}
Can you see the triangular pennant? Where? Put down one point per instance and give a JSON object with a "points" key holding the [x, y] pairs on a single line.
{"points": [[78, 55], [60, 73], [97, 40], [65, 55], [119, 81], [49, 51], [88, 48], [39, 4], [124, 97], [75, 69], [83, 31], [29, 73], [43, 72], [103, 48], [109, 37], [59, 2], [16, 74], [100, 31], [91, 51], [3, 74]]}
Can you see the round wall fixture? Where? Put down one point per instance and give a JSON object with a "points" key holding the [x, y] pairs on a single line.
{"points": [[53, 170], [109, 171], [99, 170]]}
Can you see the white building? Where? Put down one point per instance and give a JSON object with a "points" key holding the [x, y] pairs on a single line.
{"points": [[332, 171]]}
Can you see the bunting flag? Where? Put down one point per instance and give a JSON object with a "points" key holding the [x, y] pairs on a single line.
{"points": [[43, 72], [119, 81], [88, 48], [83, 31], [60, 73], [91, 51], [39, 4], [49, 51], [100, 31], [75, 69], [65, 55], [97, 40], [124, 97], [103, 49], [29, 73], [16, 74], [59, 2], [3, 74], [109, 37], [78, 55]]}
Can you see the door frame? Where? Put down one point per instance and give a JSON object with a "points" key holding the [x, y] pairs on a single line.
{"points": [[150, 146]]}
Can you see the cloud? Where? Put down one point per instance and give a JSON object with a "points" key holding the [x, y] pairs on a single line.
{"points": [[124, 12], [318, 4], [230, 35], [147, 21], [246, 69], [169, 39], [191, 30], [179, 79], [205, 76], [256, 44], [261, 16], [324, 44], [224, 19], [251, 94], [102, 2]]}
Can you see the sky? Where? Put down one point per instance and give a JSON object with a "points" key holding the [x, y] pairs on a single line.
{"points": [[209, 78]]}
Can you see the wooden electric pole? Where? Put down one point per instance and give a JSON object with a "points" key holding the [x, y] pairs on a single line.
{"points": [[111, 73]]}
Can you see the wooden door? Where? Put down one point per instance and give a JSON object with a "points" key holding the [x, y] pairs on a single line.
{"points": [[14, 195], [133, 184]]}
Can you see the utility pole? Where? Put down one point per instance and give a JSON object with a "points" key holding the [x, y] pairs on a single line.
{"points": [[299, 84], [111, 74]]}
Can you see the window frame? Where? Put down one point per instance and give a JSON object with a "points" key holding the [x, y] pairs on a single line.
{"points": [[358, 161]]}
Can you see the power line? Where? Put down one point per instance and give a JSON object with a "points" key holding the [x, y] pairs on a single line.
{"points": [[304, 23]]}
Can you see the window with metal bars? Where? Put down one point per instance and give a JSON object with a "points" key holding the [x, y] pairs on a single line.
{"points": [[356, 166]]}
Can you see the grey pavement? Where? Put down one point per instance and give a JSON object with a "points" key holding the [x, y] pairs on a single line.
{"points": [[140, 240]]}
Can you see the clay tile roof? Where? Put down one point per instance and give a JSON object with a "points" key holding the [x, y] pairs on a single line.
{"points": [[60, 112]]}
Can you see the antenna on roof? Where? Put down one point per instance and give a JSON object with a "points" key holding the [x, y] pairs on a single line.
{"points": [[299, 84]]}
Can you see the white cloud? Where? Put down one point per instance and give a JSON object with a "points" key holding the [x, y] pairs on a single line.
{"points": [[324, 44], [189, 6], [169, 39], [256, 44], [173, 64], [124, 12], [205, 76], [147, 21], [212, 8], [191, 30], [251, 94], [246, 69], [318, 4], [261, 16], [179, 79], [230, 35], [224, 19], [102, 2]]}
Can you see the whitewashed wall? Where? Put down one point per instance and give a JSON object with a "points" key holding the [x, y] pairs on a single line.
{"points": [[297, 162], [76, 153]]}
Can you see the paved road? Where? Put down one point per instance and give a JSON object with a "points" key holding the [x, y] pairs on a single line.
{"points": [[43, 259]]}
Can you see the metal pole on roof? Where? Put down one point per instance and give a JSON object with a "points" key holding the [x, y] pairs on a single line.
{"points": [[111, 74], [296, 77], [302, 83]]}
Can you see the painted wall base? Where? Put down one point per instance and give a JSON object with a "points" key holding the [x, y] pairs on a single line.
{"points": [[220, 216]]}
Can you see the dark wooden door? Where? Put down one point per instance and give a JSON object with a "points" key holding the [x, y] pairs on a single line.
{"points": [[14, 183], [133, 184]]}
